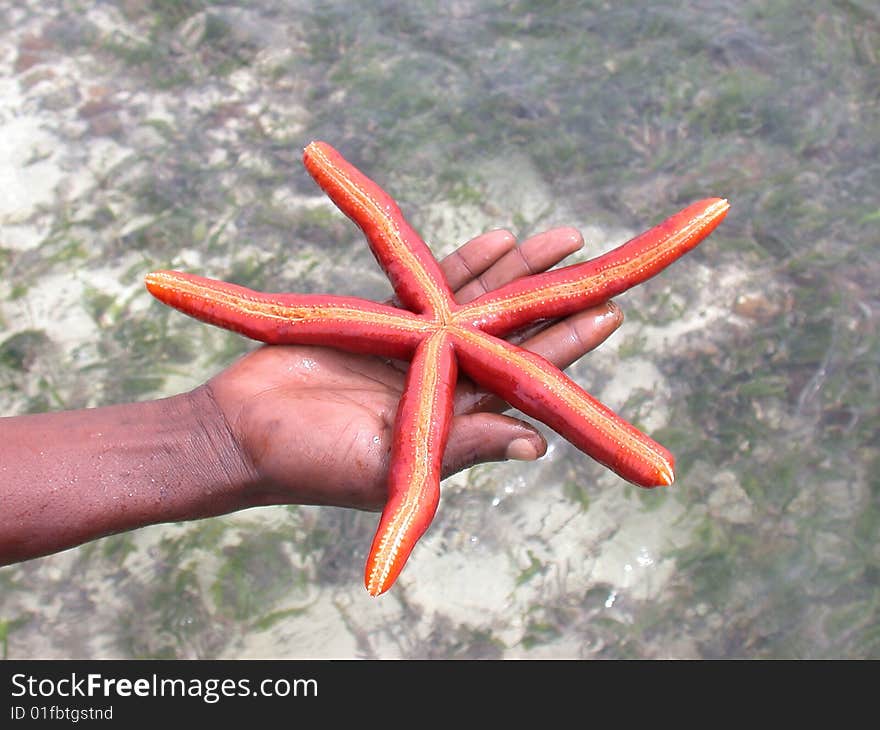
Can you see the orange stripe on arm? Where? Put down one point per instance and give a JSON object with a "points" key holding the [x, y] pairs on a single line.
{"points": [[570, 289], [539, 389], [413, 271], [349, 323], [421, 430]]}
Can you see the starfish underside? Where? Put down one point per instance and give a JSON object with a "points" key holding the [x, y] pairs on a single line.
{"points": [[439, 336]]}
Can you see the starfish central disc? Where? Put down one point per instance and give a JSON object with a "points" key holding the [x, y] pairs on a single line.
{"points": [[439, 337]]}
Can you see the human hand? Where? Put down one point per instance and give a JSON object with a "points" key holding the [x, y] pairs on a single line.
{"points": [[313, 425]]}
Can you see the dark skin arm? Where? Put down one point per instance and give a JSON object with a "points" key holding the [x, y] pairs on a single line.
{"points": [[283, 425]]}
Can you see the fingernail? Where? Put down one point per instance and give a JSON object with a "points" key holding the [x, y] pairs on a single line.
{"points": [[575, 240], [615, 311], [521, 450]]}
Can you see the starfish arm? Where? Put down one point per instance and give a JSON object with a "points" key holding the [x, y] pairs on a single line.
{"points": [[573, 288], [421, 429], [349, 323], [539, 389], [403, 255]]}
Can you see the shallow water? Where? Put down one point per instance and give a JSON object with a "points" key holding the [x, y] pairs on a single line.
{"points": [[141, 135]]}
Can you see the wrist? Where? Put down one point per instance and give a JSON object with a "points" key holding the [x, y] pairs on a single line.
{"points": [[226, 474]]}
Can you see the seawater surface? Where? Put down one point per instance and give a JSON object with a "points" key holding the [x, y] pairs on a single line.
{"points": [[141, 134]]}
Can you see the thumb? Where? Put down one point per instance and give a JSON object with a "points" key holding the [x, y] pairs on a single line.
{"points": [[480, 437]]}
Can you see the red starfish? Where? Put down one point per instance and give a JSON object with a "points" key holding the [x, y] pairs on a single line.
{"points": [[438, 336]]}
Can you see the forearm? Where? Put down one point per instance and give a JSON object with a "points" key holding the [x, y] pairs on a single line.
{"points": [[70, 477]]}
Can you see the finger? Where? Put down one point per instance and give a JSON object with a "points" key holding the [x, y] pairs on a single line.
{"points": [[573, 337], [534, 255], [481, 437], [562, 343], [473, 258]]}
